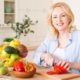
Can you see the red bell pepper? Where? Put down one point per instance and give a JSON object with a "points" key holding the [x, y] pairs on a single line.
{"points": [[30, 67], [18, 66]]}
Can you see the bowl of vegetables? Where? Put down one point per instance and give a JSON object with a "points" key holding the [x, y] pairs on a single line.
{"points": [[23, 70]]}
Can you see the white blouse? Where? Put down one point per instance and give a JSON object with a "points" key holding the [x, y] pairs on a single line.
{"points": [[60, 53]]}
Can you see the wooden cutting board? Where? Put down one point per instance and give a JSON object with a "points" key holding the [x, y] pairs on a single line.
{"points": [[62, 76], [67, 76]]}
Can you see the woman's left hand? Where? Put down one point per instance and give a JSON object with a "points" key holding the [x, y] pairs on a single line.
{"points": [[66, 65]]}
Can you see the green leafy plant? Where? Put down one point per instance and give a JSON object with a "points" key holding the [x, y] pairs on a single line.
{"points": [[24, 27]]}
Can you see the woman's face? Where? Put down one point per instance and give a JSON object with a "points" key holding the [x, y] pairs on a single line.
{"points": [[60, 19]]}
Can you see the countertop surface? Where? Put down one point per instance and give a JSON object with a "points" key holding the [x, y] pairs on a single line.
{"points": [[41, 75]]}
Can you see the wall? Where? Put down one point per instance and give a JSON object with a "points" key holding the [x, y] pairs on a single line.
{"points": [[38, 10]]}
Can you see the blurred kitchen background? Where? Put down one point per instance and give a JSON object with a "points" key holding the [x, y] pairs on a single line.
{"points": [[14, 10]]}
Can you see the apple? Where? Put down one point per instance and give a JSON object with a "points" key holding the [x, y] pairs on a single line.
{"points": [[15, 43], [23, 55], [4, 55], [3, 70], [9, 63], [23, 50], [14, 57], [1, 64]]}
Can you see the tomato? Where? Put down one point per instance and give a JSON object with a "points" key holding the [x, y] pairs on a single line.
{"points": [[18, 66]]}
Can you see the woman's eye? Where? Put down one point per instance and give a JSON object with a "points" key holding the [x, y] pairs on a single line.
{"points": [[63, 15], [55, 17]]}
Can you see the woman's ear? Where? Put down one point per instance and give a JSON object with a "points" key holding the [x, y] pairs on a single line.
{"points": [[70, 20]]}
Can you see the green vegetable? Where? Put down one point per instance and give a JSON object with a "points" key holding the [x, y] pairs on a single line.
{"points": [[11, 50], [7, 39]]}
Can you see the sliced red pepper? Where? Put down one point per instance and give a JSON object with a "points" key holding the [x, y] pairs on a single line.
{"points": [[61, 68], [57, 70], [52, 72]]}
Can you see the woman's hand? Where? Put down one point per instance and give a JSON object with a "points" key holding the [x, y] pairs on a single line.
{"points": [[47, 58], [66, 65]]}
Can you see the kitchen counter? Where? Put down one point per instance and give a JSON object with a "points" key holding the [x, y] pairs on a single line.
{"points": [[32, 48], [41, 75]]}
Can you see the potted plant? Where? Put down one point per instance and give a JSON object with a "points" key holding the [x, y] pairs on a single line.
{"points": [[22, 27]]}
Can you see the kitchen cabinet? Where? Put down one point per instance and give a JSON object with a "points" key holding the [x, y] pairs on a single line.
{"points": [[1, 11], [7, 11]]}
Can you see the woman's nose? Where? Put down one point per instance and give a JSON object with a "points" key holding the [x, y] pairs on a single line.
{"points": [[59, 19]]}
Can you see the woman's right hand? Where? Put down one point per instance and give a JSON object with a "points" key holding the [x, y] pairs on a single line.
{"points": [[48, 58]]}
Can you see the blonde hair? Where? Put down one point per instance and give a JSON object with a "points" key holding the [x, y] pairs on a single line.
{"points": [[68, 12]]}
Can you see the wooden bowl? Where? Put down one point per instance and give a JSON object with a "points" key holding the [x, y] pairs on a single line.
{"points": [[23, 74]]}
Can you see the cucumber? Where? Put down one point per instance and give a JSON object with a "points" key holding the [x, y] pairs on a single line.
{"points": [[11, 50]]}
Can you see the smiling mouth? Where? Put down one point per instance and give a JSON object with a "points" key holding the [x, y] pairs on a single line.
{"points": [[61, 24]]}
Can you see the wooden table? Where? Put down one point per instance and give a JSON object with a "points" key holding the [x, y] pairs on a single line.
{"points": [[41, 75]]}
